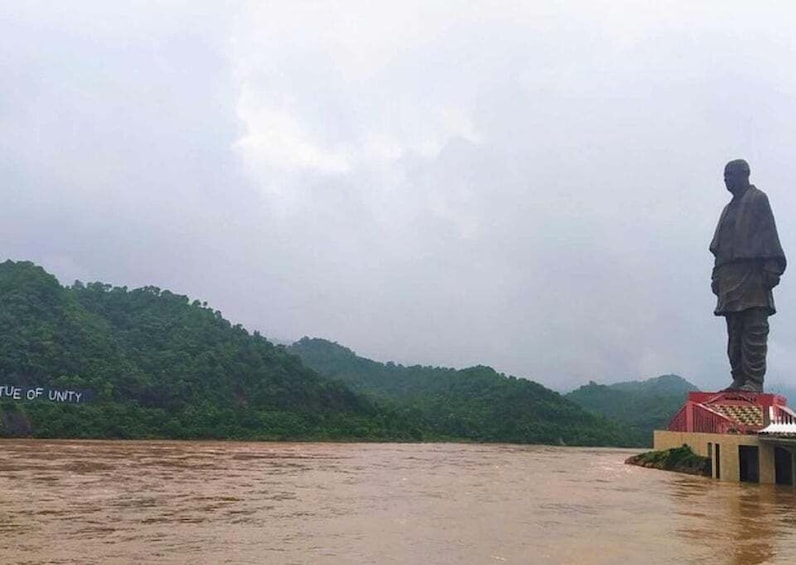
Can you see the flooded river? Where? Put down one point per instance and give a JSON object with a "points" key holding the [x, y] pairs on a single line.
{"points": [[72, 502]]}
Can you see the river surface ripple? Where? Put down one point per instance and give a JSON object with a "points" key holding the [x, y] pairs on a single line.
{"points": [[70, 502]]}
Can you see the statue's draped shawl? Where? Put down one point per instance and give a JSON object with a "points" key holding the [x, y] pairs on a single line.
{"points": [[748, 255], [752, 233]]}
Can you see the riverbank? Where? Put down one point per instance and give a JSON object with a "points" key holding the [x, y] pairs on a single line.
{"points": [[678, 459]]}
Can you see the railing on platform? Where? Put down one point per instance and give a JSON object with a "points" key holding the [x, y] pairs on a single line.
{"points": [[781, 416], [678, 423], [710, 422], [694, 417]]}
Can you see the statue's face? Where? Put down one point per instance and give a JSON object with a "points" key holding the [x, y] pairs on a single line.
{"points": [[735, 178]]}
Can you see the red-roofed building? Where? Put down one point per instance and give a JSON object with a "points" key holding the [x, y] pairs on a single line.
{"points": [[747, 436]]}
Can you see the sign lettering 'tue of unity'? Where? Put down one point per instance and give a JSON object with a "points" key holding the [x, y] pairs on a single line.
{"points": [[33, 393]]}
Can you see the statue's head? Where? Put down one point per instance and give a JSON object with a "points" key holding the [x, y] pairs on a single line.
{"points": [[736, 175]]}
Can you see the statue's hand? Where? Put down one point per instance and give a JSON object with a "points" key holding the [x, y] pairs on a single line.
{"points": [[770, 280], [771, 271], [714, 286]]}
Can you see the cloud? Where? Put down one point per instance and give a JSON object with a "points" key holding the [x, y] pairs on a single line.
{"points": [[531, 188]]}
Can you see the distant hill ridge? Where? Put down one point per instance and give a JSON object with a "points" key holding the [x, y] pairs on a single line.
{"points": [[639, 406], [664, 384], [475, 403]]}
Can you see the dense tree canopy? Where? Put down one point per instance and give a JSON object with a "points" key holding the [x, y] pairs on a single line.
{"points": [[640, 406], [476, 403], [159, 365]]}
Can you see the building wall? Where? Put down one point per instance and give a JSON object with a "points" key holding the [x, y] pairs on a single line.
{"points": [[705, 445]]}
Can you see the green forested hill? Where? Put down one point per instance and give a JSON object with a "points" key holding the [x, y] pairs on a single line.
{"points": [[475, 403], [640, 406], [158, 365]]}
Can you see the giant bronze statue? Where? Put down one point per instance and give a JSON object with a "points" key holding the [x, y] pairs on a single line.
{"points": [[749, 262]]}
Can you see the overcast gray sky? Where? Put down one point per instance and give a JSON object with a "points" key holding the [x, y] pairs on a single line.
{"points": [[526, 185]]}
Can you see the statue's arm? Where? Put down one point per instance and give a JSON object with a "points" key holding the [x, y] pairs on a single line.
{"points": [[774, 265], [772, 270]]}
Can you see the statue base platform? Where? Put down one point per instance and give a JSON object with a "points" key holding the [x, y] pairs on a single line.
{"points": [[721, 412]]}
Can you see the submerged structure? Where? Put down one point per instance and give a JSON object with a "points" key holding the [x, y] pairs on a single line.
{"points": [[747, 436]]}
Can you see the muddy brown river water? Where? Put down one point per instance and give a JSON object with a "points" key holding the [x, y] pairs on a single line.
{"points": [[79, 502]]}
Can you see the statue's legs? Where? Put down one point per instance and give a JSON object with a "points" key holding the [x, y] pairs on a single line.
{"points": [[747, 336]]}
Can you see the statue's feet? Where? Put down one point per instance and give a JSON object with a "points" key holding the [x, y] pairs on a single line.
{"points": [[750, 387]]}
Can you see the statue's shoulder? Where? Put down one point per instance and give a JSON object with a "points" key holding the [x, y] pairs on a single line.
{"points": [[756, 202], [755, 193], [754, 198]]}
